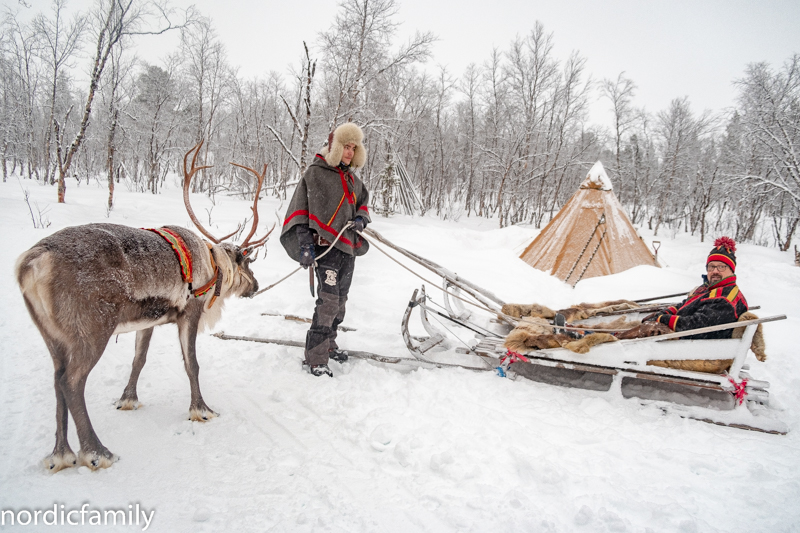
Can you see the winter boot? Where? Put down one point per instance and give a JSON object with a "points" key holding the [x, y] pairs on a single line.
{"points": [[319, 370], [338, 355]]}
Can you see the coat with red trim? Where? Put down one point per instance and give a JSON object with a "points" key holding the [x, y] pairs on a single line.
{"points": [[708, 305], [326, 199]]}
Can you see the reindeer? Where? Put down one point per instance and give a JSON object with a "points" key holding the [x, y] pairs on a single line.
{"points": [[84, 284]]}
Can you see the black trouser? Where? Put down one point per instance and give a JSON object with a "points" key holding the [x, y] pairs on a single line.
{"points": [[334, 275]]}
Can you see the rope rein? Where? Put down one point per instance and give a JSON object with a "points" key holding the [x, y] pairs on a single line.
{"points": [[323, 254], [479, 306]]}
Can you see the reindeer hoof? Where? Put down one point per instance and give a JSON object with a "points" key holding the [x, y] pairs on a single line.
{"points": [[59, 461], [96, 460], [127, 404], [202, 415]]}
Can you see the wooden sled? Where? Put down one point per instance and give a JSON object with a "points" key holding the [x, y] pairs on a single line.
{"points": [[733, 399]]}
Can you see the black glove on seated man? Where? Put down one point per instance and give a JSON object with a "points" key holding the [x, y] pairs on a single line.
{"points": [[652, 317]]}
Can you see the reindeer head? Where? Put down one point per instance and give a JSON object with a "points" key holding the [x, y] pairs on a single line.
{"points": [[237, 277]]}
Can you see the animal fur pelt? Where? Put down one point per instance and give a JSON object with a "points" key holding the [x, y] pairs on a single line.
{"points": [[709, 366], [625, 304], [593, 339], [535, 333], [522, 310], [648, 329], [757, 345], [586, 310], [528, 326], [572, 313], [619, 324], [718, 366]]}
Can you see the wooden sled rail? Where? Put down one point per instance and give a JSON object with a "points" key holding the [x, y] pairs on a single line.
{"points": [[720, 327], [645, 300], [651, 309]]}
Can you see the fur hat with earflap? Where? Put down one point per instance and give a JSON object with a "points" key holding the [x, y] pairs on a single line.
{"points": [[345, 134]]}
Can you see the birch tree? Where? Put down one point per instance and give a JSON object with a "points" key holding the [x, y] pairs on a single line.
{"points": [[113, 21], [357, 49], [209, 76], [620, 93], [60, 40], [22, 45], [769, 104]]}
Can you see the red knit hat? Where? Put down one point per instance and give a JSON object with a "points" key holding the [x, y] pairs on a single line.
{"points": [[724, 251]]}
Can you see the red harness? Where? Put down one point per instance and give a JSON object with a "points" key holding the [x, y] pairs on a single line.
{"points": [[184, 257]]}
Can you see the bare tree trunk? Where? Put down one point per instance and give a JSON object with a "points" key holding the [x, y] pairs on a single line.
{"points": [[110, 33], [111, 150]]}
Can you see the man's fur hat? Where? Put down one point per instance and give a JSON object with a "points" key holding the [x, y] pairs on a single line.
{"points": [[344, 134]]}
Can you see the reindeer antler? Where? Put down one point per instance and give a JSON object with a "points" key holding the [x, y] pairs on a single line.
{"points": [[187, 178], [254, 208]]}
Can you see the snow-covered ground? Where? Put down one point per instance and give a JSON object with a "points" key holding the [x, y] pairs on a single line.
{"points": [[375, 449]]}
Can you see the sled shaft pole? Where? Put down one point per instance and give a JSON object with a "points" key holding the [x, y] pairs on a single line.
{"points": [[708, 329], [221, 335], [644, 300]]}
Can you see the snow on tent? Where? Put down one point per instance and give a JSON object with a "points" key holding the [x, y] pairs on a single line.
{"points": [[591, 235]]}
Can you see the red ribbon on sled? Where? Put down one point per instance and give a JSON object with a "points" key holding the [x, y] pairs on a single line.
{"points": [[513, 357], [739, 389]]}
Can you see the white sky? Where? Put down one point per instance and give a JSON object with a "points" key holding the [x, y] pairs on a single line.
{"points": [[669, 48]]}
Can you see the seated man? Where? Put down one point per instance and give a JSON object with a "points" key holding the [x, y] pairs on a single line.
{"points": [[717, 301]]}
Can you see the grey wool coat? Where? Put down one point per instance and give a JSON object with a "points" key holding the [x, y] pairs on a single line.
{"points": [[326, 199]]}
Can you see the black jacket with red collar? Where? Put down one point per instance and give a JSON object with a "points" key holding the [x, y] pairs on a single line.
{"points": [[325, 200], [708, 305]]}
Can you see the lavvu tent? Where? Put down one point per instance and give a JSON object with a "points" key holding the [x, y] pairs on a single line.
{"points": [[590, 236]]}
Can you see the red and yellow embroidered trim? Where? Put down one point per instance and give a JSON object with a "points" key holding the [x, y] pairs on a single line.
{"points": [[181, 251], [185, 259]]}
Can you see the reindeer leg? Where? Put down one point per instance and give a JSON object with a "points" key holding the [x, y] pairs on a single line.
{"points": [[62, 456], [129, 399], [73, 384], [187, 332]]}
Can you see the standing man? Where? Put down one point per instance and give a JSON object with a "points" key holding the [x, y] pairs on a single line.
{"points": [[328, 197]]}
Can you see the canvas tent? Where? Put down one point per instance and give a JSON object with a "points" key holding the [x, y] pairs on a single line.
{"points": [[591, 235]]}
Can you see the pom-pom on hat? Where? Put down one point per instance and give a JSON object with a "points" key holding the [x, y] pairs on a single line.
{"points": [[344, 134], [724, 251]]}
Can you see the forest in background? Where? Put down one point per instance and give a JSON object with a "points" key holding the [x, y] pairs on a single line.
{"points": [[508, 138]]}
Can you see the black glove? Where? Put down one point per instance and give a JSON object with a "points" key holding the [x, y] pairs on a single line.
{"points": [[359, 224], [652, 317], [307, 255]]}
